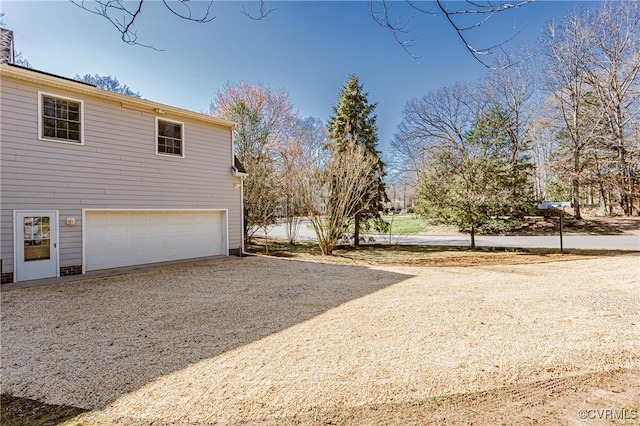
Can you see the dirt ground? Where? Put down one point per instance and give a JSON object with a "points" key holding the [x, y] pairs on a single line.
{"points": [[432, 256], [607, 225], [624, 225], [274, 341], [590, 225]]}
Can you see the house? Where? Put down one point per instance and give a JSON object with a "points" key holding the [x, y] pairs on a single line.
{"points": [[93, 180]]}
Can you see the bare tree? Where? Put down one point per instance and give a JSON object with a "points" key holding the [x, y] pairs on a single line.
{"points": [[264, 121], [439, 117], [612, 70], [107, 82], [634, 161], [291, 204], [19, 59], [565, 47], [261, 189], [333, 189], [543, 138], [306, 142], [266, 116]]}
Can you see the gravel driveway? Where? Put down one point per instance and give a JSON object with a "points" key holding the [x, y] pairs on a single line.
{"points": [[264, 338]]}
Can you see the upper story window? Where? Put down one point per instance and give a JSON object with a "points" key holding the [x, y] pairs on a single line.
{"points": [[170, 137], [60, 119]]}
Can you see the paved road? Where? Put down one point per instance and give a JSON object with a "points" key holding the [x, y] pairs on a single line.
{"points": [[609, 242]]}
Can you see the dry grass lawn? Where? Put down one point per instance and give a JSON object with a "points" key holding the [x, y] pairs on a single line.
{"points": [[274, 341]]}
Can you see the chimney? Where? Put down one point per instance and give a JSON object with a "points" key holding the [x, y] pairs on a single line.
{"points": [[6, 46]]}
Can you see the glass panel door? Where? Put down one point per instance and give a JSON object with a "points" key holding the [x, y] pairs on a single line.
{"points": [[37, 238]]}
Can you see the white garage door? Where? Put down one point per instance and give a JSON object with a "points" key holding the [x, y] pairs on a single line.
{"points": [[123, 238]]}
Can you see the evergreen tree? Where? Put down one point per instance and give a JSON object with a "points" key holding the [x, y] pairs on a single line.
{"points": [[353, 123], [514, 153], [466, 184]]}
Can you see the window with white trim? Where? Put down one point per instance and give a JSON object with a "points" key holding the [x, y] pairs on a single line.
{"points": [[60, 118], [170, 137]]}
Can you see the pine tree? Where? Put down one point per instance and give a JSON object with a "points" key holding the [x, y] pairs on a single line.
{"points": [[353, 123], [468, 183]]}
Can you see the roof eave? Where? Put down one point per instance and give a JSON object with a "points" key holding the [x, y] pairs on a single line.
{"points": [[51, 80]]}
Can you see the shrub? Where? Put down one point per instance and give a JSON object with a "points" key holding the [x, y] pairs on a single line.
{"points": [[500, 225]]}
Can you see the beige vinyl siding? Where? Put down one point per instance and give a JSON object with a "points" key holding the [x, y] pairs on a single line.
{"points": [[116, 168]]}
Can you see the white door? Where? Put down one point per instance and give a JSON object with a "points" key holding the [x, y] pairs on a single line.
{"points": [[36, 237], [123, 238]]}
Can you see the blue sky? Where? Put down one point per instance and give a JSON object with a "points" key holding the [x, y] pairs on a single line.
{"points": [[307, 48]]}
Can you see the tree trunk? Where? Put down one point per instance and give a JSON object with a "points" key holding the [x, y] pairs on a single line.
{"points": [[576, 185], [632, 190], [576, 198], [624, 186], [325, 247], [266, 241], [610, 205], [473, 237], [603, 197], [356, 230]]}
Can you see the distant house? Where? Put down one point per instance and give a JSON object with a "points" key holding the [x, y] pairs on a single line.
{"points": [[92, 179]]}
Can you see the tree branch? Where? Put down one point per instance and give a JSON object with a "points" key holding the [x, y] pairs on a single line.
{"points": [[382, 18], [262, 12], [485, 9], [123, 14]]}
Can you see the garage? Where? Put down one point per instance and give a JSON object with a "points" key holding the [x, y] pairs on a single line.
{"points": [[116, 238]]}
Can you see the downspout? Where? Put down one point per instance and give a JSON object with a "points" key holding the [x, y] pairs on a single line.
{"points": [[242, 176], [241, 216]]}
